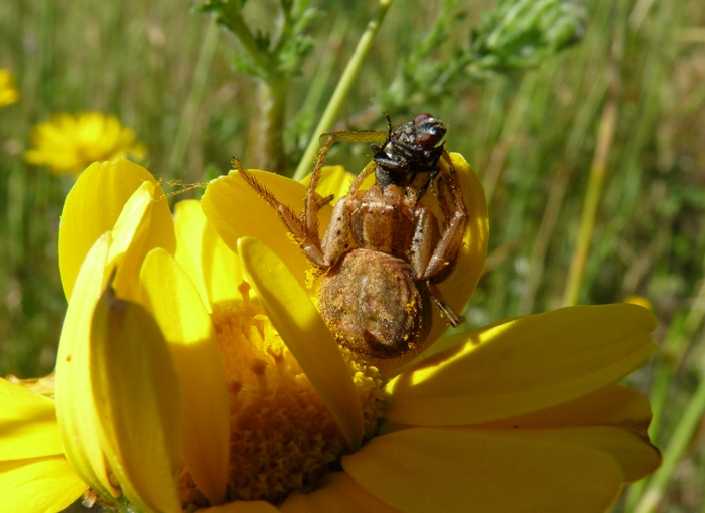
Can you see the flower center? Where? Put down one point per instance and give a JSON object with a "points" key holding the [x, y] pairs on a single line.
{"points": [[282, 437]]}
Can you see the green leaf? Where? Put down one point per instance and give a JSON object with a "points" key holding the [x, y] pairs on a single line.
{"points": [[520, 34]]}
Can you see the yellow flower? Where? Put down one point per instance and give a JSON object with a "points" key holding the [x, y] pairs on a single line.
{"points": [[177, 386], [8, 91], [66, 144]]}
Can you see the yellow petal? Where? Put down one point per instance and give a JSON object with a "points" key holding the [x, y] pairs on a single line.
{"points": [[635, 455], [222, 267], [27, 424], [138, 404], [304, 333], [189, 225], [422, 470], [92, 207], [242, 507], [334, 180], [41, 485], [74, 392], [339, 493], [235, 210], [524, 365], [613, 405], [457, 288], [132, 237], [186, 324], [211, 264]]}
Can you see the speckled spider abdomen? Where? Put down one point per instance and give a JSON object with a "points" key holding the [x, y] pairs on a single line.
{"points": [[372, 305]]}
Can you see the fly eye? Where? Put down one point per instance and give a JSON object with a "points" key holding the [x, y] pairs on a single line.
{"points": [[422, 118], [431, 133]]}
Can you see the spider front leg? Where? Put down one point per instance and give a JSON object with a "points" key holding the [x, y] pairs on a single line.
{"points": [[309, 244], [422, 249], [312, 203], [446, 252]]}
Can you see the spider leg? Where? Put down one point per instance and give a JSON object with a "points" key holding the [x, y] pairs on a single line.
{"points": [[310, 247], [440, 191], [311, 200], [359, 179], [322, 201], [446, 252], [422, 246], [453, 318], [311, 204]]}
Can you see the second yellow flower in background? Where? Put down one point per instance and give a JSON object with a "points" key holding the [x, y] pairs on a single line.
{"points": [[67, 143]]}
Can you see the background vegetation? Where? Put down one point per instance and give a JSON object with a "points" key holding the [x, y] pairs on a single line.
{"points": [[618, 119]]}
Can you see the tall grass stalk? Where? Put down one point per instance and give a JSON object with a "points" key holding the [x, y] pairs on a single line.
{"points": [[675, 450], [605, 136], [194, 99], [347, 79]]}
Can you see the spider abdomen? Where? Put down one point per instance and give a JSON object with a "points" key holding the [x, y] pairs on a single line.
{"points": [[372, 305]]}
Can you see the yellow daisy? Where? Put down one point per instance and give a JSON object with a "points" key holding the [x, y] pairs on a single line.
{"points": [[68, 143], [8, 91], [182, 385]]}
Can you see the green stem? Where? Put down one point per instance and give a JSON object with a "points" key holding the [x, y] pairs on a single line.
{"points": [[677, 342], [266, 139], [674, 451], [231, 17], [592, 200], [350, 73], [193, 101]]}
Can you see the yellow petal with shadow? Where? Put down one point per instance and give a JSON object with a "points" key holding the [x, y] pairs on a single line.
{"points": [[92, 207], [137, 399], [186, 325], [39, 485], [211, 264], [634, 454], [242, 507], [189, 226], [524, 365], [301, 328], [222, 267], [338, 493], [235, 210], [422, 470], [28, 427], [614, 405], [133, 236], [74, 396]]}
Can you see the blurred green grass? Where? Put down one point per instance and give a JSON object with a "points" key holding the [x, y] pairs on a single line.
{"points": [[166, 72]]}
